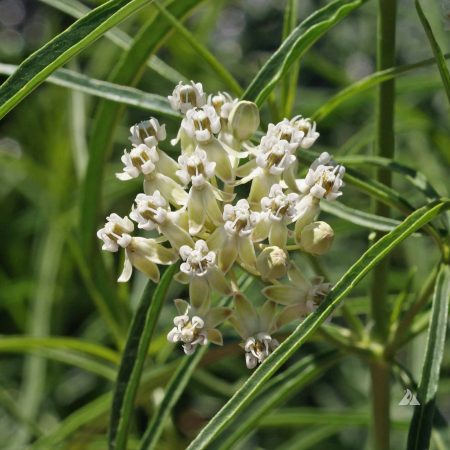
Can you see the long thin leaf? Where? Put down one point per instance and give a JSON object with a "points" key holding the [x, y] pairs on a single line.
{"points": [[60, 49], [344, 286], [278, 390], [127, 71], [104, 89], [297, 43], [135, 352], [440, 58], [365, 83], [76, 9], [422, 421]]}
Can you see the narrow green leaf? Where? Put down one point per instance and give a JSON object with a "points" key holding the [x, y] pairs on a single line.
{"points": [[365, 83], [297, 43], [422, 421], [344, 286], [104, 89], [439, 56], [278, 390], [174, 389], [127, 71], [60, 49], [76, 9], [135, 352]]}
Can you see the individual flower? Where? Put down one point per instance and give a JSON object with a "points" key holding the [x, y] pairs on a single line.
{"points": [[116, 233], [308, 128], [197, 324], [148, 132], [278, 210], [140, 160], [255, 328], [223, 103], [144, 254], [152, 212], [234, 239], [202, 199], [201, 271], [201, 123], [286, 131], [187, 96], [324, 179], [274, 158], [300, 298]]}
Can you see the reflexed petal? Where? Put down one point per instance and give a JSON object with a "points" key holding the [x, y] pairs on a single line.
{"points": [[167, 166], [217, 240], [219, 155], [291, 313], [127, 269], [181, 305], [210, 205], [283, 294], [297, 278], [246, 169], [246, 314], [278, 234], [261, 230], [196, 211], [267, 315], [123, 176], [218, 281], [156, 253], [238, 326], [145, 265], [289, 176], [217, 315], [228, 254], [176, 235], [247, 251], [170, 190], [214, 336], [223, 196], [199, 293], [182, 278]]}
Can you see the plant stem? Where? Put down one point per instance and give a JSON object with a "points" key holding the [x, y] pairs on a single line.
{"points": [[384, 147]]}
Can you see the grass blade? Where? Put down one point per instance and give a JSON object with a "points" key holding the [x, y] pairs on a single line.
{"points": [[422, 421], [297, 43], [344, 286], [106, 90], [365, 83], [133, 358], [60, 49], [439, 56], [76, 9]]}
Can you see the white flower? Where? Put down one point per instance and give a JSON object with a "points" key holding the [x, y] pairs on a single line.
{"points": [[324, 179], [285, 130], [278, 210], [239, 219], [115, 233], [153, 212], [141, 159], [223, 103], [198, 260], [201, 123], [197, 324], [148, 132], [275, 155], [308, 129], [185, 97], [195, 168], [255, 328]]}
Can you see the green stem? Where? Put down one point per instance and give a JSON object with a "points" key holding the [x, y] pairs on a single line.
{"points": [[384, 147]]}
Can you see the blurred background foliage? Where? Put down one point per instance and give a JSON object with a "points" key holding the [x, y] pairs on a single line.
{"points": [[49, 289]]}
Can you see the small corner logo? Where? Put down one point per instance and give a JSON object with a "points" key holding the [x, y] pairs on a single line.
{"points": [[409, 399]]}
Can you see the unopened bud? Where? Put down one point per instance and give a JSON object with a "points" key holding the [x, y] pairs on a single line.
{"points": [[244, 120], [272, 263], [317, 237]]}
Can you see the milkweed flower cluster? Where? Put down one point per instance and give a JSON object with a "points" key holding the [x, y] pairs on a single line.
{"points": [[194, 216]]}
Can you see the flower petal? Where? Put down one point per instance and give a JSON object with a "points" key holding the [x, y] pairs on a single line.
{"points": [[145, 265], [217, 315], [228, 254], [246, 314], [247, 251], [210, 205], [181, 305], [218, 281], [298, 279], [283, 294], [127, 269], [214, 336], [199, 293], [219, 155], [290, 313], [196, 211], [267, 316], [278, 234], [176, 235], [150, 249], [170, 190]]}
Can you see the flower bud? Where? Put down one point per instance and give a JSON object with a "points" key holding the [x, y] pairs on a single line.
{"points": [[272, 263], [244, 120], [316, 238]]}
